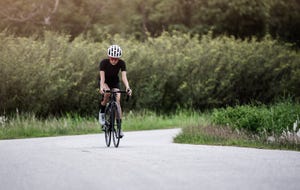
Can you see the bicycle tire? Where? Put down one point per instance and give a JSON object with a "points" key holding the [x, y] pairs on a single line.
{"points": [[115, 127], [108, 130]]}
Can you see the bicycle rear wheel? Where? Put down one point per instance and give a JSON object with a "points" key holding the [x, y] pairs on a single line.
{"points": [[116, 128], [108, 128]]}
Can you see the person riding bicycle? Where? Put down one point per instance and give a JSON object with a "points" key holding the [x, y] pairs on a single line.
{"points": [[109, 79]]}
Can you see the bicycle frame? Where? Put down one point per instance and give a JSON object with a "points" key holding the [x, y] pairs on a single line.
{"points": [[112, 113], [113, 98]]}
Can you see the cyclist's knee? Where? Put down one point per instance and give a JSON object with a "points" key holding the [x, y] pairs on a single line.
{"points": [[118, 98], [105, 99]]}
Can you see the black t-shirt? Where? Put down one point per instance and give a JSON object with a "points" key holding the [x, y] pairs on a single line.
{"points": [[112, 71]]}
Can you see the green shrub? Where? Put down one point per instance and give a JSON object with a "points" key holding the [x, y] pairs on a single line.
{"points": [[241, 117], [47, 76], [274, 119], [54, 75]]}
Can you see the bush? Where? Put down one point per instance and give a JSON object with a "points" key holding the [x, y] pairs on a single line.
{"points": [[54, 75], [47, 76], [274, 119]]}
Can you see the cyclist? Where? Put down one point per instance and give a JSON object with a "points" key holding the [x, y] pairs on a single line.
{"points": [[109, 80]]}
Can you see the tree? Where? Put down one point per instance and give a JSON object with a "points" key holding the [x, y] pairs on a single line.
{"points": [[17, 14], [284, 20]]}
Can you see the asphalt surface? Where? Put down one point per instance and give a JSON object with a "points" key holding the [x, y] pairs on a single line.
{"points": [[146, 160]]}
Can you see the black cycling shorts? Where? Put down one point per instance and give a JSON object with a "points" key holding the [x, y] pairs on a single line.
{"points": [[113, 85]]}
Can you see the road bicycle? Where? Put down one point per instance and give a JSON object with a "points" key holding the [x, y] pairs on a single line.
{"points": [[112, 128]]}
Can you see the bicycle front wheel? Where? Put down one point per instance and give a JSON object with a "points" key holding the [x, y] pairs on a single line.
{"points": [[116, 127], [107, 137], [108, 128]]}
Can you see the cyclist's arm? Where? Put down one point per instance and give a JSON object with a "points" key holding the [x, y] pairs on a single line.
{"points": [[102, 81], [125, 81]]}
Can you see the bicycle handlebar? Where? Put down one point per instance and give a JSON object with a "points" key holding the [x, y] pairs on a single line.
{"points": [[118, 91]]}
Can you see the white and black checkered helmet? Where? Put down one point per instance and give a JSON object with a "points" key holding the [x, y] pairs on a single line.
{"points": [[114, 51]]}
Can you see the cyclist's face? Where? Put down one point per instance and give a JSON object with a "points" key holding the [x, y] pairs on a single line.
{"points": [[113, 60]]}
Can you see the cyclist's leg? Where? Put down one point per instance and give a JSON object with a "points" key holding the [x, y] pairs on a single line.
{"points": [[105, 96], [118, 101], [103, 103]]}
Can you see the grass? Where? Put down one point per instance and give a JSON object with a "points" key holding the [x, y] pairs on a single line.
{"points": [[274, 126], [226, 136], [197, 128], [148, 120], [27, 126]]}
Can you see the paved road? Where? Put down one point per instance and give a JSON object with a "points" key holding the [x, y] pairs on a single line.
{"points": [[145, 160]]}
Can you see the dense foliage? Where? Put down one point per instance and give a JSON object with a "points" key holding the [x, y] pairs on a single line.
{"points": [[51, 75], [240, 18], [261, 119], [47, 76]]}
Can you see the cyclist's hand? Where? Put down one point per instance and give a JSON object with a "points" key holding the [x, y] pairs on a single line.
{"points": [[129, 91], [102, 90]]}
